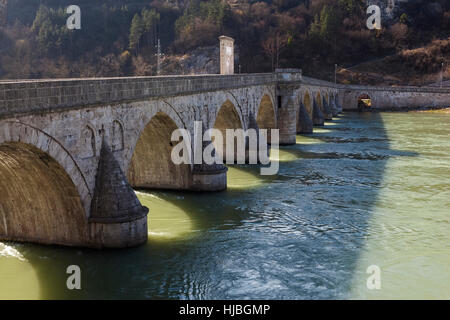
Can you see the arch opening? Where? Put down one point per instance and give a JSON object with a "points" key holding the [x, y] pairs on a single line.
{"points": [[266, 116], [227, 118], [319, 101], [308, 104], [38, 200], [364, 102], [151, 165]]}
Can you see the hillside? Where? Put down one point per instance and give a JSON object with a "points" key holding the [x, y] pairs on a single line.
{"points": [[416, 66], [119, 38]]}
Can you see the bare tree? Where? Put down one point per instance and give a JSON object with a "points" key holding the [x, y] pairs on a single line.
{"points": [[273, 45], [281, 42], [269, 48]]}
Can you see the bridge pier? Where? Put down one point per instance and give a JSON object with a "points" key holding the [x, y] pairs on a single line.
{"points": [[208, 177], [334, 107], [327, 112], [287, 121], [304, 123], [318, 119], [117, 219]]}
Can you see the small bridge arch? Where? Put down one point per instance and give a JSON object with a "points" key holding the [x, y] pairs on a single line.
{"points": [[364, 101]]}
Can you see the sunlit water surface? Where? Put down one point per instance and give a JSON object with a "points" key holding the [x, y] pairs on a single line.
{"points": [[367, 189]]}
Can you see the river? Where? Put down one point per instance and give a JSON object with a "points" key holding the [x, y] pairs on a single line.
{"points": [[366, 189]]}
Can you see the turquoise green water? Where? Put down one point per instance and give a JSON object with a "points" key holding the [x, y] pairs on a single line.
{"points": [[367, 189]]}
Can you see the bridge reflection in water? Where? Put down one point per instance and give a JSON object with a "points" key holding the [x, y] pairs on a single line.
{"points": [[369, 190]]}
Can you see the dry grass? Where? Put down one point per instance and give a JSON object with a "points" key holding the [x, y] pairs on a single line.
{"points": [[417, 66]]}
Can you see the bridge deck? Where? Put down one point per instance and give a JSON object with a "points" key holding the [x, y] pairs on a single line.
{"points": [[35, 96], [26, 96]]}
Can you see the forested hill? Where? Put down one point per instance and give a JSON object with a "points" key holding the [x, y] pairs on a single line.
{"points": [[119, 38]]}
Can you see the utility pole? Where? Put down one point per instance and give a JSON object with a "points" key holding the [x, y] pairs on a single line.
{"points": [[158, 56], [442, 74]]}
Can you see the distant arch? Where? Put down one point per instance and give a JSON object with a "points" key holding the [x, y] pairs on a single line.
{"points": [[364, 102], [151, 165], [307, 102], [319, 101]]}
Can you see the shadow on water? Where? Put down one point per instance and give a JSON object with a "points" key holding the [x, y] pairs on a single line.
{"points": [[296, 235], [160, 269]]}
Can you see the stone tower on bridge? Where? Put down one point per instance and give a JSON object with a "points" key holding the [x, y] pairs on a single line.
{"points": [[226, 55]]}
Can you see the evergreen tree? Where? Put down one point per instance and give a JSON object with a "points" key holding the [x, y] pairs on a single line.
{"points": [[136, 31]]}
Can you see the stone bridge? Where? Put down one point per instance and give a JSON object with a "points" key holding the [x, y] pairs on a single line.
{"points": [[72, 150], [394, 98]]}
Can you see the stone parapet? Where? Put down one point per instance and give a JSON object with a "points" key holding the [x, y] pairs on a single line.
{"points": [[22, 97]]}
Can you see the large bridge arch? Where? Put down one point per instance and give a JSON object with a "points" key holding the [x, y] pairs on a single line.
{"points": [[227, 117], [151, 165], [16, 131], [266, 116], [44, 197]]}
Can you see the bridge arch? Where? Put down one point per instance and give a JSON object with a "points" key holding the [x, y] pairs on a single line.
{"points": [[43, 195], [228, 117], [364, 101], [16, 131], [151, 165], [319, 101], [266, 115]]}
